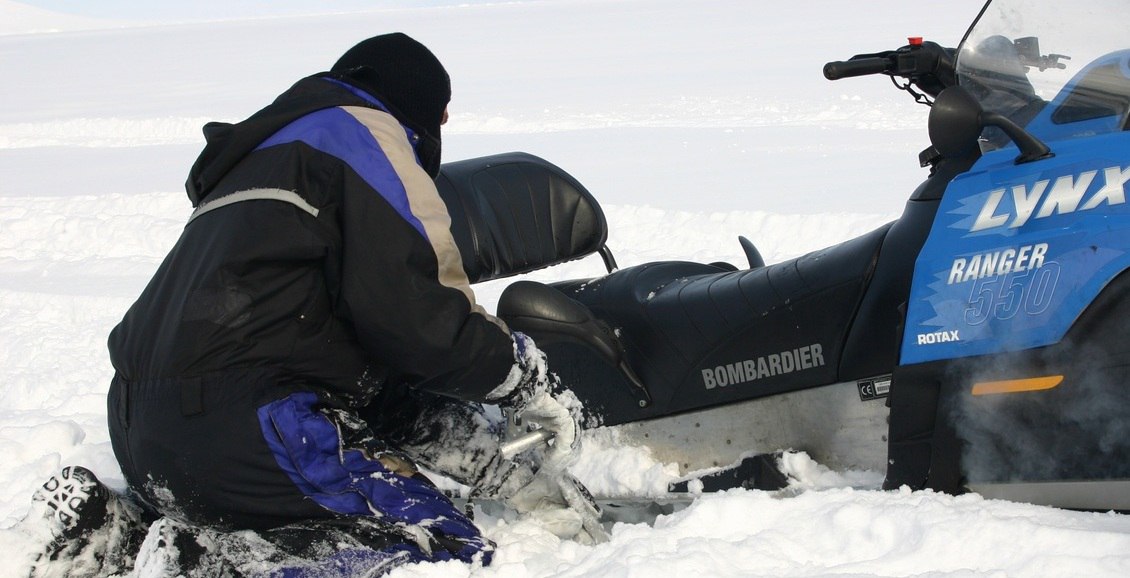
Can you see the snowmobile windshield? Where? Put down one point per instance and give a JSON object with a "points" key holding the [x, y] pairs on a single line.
{"points": [[1062, 69]]}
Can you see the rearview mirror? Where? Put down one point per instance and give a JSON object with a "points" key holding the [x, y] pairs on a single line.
{"points": [[955, 122], [957, 119]]}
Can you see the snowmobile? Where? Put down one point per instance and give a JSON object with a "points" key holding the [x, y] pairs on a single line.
{"points": [[977, 343]]}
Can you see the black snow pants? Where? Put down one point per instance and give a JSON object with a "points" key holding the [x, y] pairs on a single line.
{"points": [[253, 450]]}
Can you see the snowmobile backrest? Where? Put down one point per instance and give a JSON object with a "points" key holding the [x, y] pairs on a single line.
{"points": [[513, 213]]}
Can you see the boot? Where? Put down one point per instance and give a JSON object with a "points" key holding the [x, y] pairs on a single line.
{"points": [[87, 529]]}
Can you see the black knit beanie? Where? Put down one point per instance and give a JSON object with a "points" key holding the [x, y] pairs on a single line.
{"points": [[404, 74]]}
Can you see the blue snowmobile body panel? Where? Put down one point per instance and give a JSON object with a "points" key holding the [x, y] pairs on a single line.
{"points": [[1019, 250]]}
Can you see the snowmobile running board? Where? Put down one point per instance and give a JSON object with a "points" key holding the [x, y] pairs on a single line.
{"points": [[612, 510], [757, 472], [1084, 496], [1096, 495]]}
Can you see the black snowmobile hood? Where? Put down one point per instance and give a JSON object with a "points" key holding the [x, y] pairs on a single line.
{"points": [[228, 143]]}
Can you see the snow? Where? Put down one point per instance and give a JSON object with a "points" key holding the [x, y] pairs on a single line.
{"points": [[21, 18], [693, 122]]}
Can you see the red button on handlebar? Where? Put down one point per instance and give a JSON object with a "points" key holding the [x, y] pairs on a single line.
{"points": [[915, 40]]}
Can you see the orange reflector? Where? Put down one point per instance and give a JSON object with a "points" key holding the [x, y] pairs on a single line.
{"points": [[1017, 385]]}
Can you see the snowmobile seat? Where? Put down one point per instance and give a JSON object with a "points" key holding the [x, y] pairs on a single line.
{"points": [[512, 213], [699, 335]]}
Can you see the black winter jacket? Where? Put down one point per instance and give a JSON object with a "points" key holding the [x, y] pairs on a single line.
{"points": [[319, 249]]}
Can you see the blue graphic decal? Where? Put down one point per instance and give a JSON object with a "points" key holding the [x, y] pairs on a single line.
{"points": [[1017, 252]]}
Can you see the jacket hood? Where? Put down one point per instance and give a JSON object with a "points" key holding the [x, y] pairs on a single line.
{"points": [[228, 143]]}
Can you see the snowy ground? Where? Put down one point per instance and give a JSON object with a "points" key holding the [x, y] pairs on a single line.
{"points": [[693, 122]]}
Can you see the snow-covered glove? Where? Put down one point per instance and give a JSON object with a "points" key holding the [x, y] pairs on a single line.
{"points": [[529, 393], [559, 503]]}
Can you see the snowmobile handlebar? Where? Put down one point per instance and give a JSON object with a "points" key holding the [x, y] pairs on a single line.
{"points": [[927, 65], [856, 67]]}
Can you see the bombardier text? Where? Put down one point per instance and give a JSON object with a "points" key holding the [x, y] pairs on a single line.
{"points": [[740, 372]]}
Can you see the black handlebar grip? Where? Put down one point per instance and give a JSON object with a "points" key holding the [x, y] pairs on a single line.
{"points": [[856, 67]]}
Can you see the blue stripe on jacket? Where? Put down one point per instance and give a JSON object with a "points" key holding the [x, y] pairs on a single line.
{"points": [[339, 134]]}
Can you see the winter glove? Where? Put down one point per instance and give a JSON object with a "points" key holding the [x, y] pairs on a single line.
{"points": [[528, 393], [561, 504]]}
